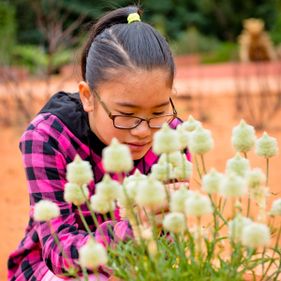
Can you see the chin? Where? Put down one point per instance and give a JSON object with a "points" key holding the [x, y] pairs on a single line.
{"points": [[138, 155]]}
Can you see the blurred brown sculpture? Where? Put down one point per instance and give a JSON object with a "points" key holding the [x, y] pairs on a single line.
{"points": [[255, 43]]}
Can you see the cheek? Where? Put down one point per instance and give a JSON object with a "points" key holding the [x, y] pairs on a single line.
{"points": [[105, 130]]}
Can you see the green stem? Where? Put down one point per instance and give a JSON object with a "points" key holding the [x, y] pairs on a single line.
{"points": [[85, 222], [57, 241], [93, 215], [85, 274], [203, 163], [198, 239], [168, 176], [248, 206], [274, 250], [267, 171], [197, 167]]}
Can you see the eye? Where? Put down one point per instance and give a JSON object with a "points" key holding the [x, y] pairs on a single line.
{"points": [[158, 113], [126, 113]]}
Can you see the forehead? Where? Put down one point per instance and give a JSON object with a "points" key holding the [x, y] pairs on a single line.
{"points": [[137, 87]]}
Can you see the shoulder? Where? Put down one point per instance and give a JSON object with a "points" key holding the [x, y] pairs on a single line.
{"points": [[47, 132]]}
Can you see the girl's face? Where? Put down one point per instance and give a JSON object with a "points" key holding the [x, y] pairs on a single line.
{"points": [[144, 93]]}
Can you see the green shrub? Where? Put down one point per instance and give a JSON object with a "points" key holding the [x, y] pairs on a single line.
{"points": [[226, 51], [7, 32], [36, 60], [192, 41]]}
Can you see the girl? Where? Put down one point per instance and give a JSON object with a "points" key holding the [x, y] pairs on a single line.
{"points": [[128, 73]]}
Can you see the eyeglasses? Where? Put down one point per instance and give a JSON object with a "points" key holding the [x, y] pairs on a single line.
{"points": [[131, 122]]}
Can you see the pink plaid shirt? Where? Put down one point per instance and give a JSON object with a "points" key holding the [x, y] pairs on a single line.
{"points": [[47, 146]]}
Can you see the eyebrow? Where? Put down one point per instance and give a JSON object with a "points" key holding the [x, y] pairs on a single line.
{"points": [[127, 104]]}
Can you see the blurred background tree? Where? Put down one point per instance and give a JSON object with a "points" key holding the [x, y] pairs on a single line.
{"points": [[48, 30]]}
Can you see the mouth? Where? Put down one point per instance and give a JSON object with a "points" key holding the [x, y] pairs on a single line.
{"points": [[137, 146]]}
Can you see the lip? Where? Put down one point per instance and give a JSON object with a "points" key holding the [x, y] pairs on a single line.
{"points": [[137, 143], [137, 146]]}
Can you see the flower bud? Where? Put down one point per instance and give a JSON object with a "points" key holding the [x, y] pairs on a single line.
{"points": [[238, 165], [255, 178], [162, 171], [178, 198], [116, 157], [130, 187], [233, 185], [108, 188], [183, 170], [92, 255], [174, 222], [191, 124], [45, 210], [266, 146], [75, 194], [151, 193], [235, 227], [243, 137], [165, 140], [211, 181], [198, 205], [100, 205], [200, 141], [79, 171], [276, 208], [183, 136], [255, 235]]}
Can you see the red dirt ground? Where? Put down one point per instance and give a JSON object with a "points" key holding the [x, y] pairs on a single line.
{"points": [[217, 108]]}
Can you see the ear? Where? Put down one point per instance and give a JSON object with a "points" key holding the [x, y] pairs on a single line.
{"points": [[86, 96]]}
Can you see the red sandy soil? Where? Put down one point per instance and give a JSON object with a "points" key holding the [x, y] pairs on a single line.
{"points": [[218, 111]]}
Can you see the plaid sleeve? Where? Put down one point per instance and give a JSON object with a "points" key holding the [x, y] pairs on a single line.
{"points": [[45, 168]]}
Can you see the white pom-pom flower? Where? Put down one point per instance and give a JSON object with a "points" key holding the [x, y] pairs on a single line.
{"points": [[198, 205], [255, 178], [75, 194], [200, 141], [178, 198], [238, 165], [173, 158], [108, 188], [235, 227], [183, 170], [92, 255], [243, 137], [116, 157], [162, 171], [233, 186], [211, 181], [101, 205], [79, 171], [129, 191], [266, 146], [255, 235], [191, 124], [165, 140], [151, 193], [183, 136], [45, 210], [276, 208], [174, 222]]}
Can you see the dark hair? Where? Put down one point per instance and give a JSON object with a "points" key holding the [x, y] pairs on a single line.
{"points": [[115, 44]]}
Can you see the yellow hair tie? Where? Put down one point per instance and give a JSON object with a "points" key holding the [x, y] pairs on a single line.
{"points": [[133, 17]]}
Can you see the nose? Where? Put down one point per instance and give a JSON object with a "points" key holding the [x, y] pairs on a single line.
{"points": [[142, 130]]}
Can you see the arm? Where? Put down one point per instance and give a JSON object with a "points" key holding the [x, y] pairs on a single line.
{"points": [[45, 168]]}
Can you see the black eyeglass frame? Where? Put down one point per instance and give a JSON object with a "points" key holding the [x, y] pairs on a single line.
{"points": [[113, 116]]}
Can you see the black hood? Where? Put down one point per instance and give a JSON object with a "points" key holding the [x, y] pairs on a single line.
{"points": [[68, 108]]}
